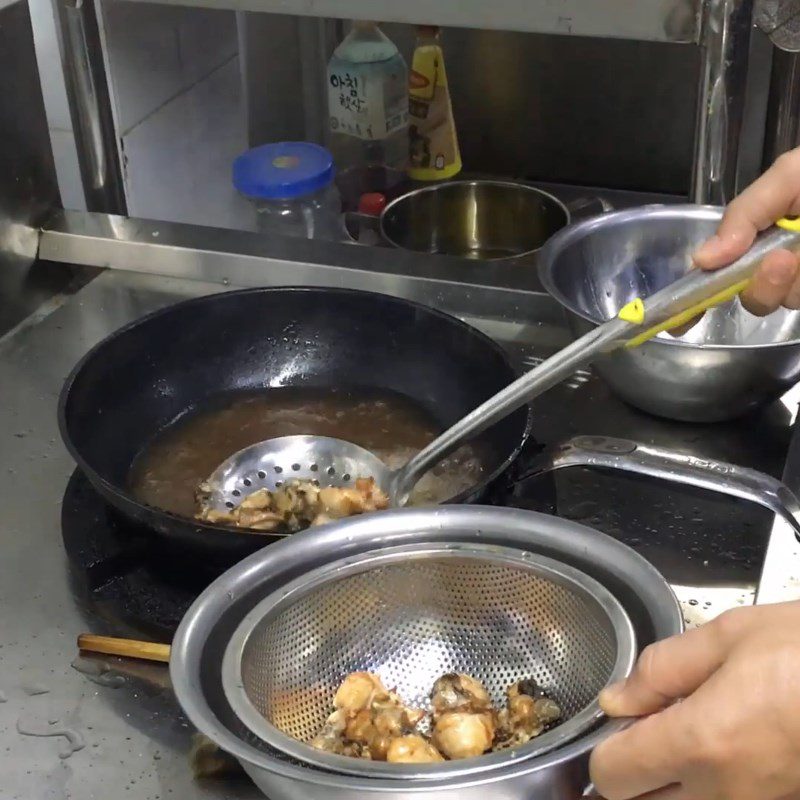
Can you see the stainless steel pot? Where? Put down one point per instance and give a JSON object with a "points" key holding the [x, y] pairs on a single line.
{"points": [[727, 364], [487, 220], [205, 631]]}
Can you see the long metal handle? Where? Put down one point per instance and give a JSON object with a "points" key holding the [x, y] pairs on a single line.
{"points": [[716, 476], [679, 302], [523, 390]]}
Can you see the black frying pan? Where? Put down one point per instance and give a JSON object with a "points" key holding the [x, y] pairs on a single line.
{"points": [[139, 379]]}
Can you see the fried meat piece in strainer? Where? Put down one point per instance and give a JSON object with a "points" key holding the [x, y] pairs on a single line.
{"points": [[372, 722], [458, 692], [528, 713], [368, 718], [413, 749], [358, 690], [461, 734]]}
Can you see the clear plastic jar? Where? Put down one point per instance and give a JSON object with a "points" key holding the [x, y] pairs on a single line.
{"points": [[291, 185]]}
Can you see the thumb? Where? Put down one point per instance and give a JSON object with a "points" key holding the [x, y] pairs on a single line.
{"points": [[670, 670], [731, 241]]}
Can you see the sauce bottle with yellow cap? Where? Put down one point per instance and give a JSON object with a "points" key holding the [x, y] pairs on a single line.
{"points": [[434, 152]]}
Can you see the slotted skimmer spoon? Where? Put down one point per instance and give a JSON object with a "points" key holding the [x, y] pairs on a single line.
{"points": [[333, 462]]}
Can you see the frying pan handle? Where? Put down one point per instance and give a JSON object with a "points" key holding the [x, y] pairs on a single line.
{"points": [[643, 459]]}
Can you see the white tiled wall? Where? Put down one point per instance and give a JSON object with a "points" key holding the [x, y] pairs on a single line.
{"points": [[177, 103], [176, 94], [155, 52], [179, 158]]}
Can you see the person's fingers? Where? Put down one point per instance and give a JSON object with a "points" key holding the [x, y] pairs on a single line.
{"points": [[670, 793], [643, 758], [772, 283], [792, 300], [674, 668], [725, 246], [774, 195], [686, 327]]}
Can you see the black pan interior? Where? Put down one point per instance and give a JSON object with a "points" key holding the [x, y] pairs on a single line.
{"points": [[142, 377]]}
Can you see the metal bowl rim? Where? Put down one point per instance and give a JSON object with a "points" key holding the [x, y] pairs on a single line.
{"points": [[288, 594], [203, 615], [438, 187], [550, 251]]}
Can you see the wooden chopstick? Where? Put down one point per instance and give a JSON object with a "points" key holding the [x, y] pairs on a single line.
{"points": [[128, 648]]}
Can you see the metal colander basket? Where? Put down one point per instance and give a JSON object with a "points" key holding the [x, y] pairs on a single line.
{"points": [[412, 614]]}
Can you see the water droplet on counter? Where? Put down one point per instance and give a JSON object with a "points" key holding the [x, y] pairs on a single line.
{"points": [[75, 740], [3, 698], [34, 689], [98, 672]]}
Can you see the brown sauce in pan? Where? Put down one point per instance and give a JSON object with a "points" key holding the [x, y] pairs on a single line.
{"points": [[168, 470]]}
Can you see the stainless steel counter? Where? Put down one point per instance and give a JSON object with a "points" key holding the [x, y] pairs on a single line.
{"points": [[128, 737]]}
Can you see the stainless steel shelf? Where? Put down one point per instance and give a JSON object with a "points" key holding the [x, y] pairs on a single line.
{"points": [[656, 20]]}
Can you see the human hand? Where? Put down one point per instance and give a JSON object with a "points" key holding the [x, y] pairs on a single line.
{"points": [[774, 195], [734, 735]]}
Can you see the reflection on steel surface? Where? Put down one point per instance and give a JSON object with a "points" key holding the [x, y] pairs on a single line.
{"points": [[90, 107], [725, 40]]}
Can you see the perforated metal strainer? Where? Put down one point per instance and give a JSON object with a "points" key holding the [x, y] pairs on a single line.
{"points": [[412, 614]]}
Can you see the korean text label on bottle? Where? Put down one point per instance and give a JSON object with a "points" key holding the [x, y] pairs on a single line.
{"points": [[360, 106]]}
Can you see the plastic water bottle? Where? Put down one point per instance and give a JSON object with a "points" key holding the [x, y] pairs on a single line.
{"points": [[368, 100]]}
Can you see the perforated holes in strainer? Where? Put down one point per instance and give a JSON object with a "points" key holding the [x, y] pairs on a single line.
{"points": [[411, 615], [273, 463]]}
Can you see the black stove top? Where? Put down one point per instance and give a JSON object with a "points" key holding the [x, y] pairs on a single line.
{"points": [[127, 579], [696, 539], [116, 570]]}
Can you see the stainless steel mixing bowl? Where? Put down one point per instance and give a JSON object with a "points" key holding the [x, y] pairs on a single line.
{"points": [[207, 628], [411, 615], [728, 364]]}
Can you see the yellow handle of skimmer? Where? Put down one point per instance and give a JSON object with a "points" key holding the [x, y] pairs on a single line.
{"points": [[789, 224], [634, 311], [686, 316]]}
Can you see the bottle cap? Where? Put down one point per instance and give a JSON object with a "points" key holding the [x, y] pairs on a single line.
{"points": [[372, 204], [283, 170]]}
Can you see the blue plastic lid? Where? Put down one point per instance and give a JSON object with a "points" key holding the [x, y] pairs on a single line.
{"points": [[283, 170]]}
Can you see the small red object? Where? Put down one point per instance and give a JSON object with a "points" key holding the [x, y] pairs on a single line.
{"points": [[372, 204]]}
